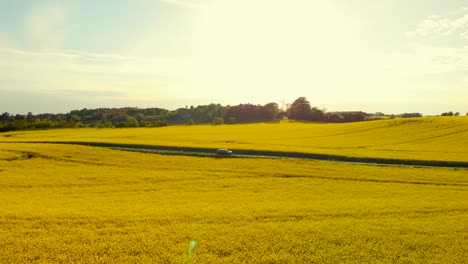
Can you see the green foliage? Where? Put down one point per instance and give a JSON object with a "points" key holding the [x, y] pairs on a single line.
{"points": [[218, 121], [270, 111], [107, 124], [190, 122], [232, 120], [125, 121], [316, 114], [158, 117], [249, 113], [451, 114], [300, 109], [353, 116], [408, 115]]}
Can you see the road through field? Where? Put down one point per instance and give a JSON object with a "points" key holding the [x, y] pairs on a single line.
{"points": [[282, 155], [209, 152], [427, 140]]}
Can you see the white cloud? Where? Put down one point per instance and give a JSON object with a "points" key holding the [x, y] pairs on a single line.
{"points": [[426, 60], [44, 27], [437, 46], [92, 77], [81, 62], [449, 27], [432, 68]]}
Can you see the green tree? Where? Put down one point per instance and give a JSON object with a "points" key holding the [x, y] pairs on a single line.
{"points": [[19, 117], [190, 122], [30, 117], [270, 111], [125, 121], [5, 117], [74, 121], [107, 124], [300, 109], [218, 121], [317, 114]]}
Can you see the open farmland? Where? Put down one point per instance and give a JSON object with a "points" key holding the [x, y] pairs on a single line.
{"points": [[65, 203], [433, 139], [223, 131]]}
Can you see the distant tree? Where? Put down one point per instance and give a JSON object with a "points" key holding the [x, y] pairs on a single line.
{"points": [[410, 115], [447, 114], [75, 118], [270, 111], [125, 121], [190, 122], [160, 123], [299, 109], [317, 114], [218, 121], [5, 117], [43, 124], [75, 121], [232, 120], [180, 116], [19, 117], [107, 124], [354, 116], [156, 117], [456, 114], [30, 117], [244, 113], [131, 122]]}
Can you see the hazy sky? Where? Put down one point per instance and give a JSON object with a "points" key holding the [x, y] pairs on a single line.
{"points": [[391, 56]]}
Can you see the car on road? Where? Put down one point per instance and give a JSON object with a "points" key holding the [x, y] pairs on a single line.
{"points": [[223, 152]]}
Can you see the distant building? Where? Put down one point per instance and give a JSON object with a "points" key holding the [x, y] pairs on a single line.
{"points": [[352, 116]]}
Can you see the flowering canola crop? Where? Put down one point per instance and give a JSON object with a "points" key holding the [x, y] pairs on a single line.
{"points": [[66, 203]]}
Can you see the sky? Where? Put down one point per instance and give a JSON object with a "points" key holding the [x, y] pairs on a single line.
{"points": [[390, 56]]}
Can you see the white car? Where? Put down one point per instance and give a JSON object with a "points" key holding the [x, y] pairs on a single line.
{"points": [[223, 152]]}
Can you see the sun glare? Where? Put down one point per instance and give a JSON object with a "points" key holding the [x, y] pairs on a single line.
{"points": [[271, 44]]}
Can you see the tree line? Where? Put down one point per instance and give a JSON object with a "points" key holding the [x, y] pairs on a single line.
{"points": [[215, 114], [136, 117], [451, 114]]}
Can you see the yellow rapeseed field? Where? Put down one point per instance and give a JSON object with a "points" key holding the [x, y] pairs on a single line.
{"points": [[66, 203], [430, 138]]}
